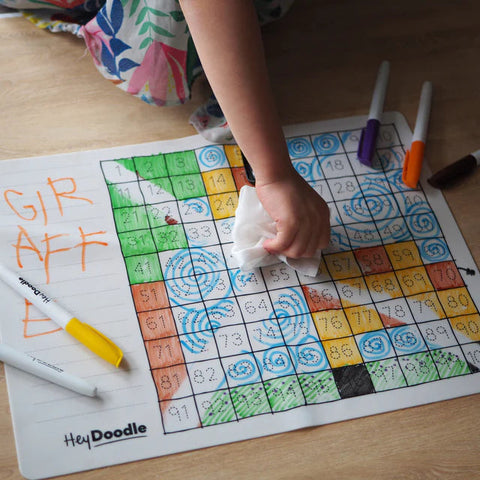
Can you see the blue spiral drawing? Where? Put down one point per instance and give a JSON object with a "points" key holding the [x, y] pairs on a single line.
{"points": [[213, 157], [290, 302], [423, 225], [299, 147], [382, 207], [268, 334], [390, 159], [433, 250], [194, 330], [395, 181], [356, 208], [309, 358], [393, 230], [370, 185], [244, 370], [309, 169], [338, 240], [296, 329], [375, 345], [276, 362], [326, 144], [407, 340], [198, 206]]}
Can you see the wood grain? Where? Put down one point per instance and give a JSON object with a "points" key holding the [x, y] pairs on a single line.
{"points": [[323, 57]]}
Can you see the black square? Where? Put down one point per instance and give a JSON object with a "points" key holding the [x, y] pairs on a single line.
{"points": [[353, 380]]}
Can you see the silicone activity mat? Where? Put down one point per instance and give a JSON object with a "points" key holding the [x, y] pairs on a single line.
{"points": [[136, 241]]}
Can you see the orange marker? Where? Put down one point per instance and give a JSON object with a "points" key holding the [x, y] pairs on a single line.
{"points": [[414, 157]]}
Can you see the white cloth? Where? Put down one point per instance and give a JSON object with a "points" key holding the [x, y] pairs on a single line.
{"points": [[253, 225]]}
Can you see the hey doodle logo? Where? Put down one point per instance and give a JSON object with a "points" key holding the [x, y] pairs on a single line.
{"points": [[99, 438]]}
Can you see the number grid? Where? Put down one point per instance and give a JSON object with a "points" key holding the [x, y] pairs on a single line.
{"points": [[387, 310]]}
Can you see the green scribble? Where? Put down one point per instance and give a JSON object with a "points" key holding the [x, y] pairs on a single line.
{"points": [[130, 218], [418, 368], [449, 363], [143, 269], [284, 393], [250, 400], [188, 186], [150, 167], [181, 163], [170, 237], [386, 374], [319, 387], [136, 242], [217, 409], [121, 195]]}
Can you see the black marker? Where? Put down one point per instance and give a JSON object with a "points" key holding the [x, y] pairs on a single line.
{"points": [[248, 170], [456, 171]]}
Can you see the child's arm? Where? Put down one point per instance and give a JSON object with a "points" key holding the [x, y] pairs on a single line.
{"points": [[227, 36]]}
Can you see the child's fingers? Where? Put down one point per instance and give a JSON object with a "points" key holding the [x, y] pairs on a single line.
{"points": [[280, 243]]}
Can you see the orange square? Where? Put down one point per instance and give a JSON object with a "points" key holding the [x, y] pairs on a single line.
{"points": [[150, 296], [341, 352], [414, 280], [444, 275], [342, 265], [403, 254], [240, 177], [456, 301], [363, 319], [331, 324], [373, 260], [169, 381], [320, 298], [427, 302], [218, 181], [164, 352], [157, 324]]}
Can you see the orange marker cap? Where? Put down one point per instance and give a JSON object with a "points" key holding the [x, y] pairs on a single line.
{"points": [[412, 165]]}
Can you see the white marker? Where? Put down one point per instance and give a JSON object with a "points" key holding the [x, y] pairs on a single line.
{"points": [[45, 370]]}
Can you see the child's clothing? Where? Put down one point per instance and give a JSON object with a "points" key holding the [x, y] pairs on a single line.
{"points": [[142, 46]]}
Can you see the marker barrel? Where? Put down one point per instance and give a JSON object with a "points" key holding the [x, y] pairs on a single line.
{"points": [[423, 114], [46, 371], [378, 98]]}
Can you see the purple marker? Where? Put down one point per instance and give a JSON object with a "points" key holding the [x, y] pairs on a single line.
{"points": [[368, 139]]}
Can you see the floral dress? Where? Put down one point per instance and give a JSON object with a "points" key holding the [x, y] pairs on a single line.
{"points": [[142, 46]]}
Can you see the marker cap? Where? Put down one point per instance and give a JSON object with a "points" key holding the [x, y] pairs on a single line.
{"points": [[413, 164], [368, 141], [95, 341]]}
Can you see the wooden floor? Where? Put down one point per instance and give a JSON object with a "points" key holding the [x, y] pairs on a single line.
{"points": [[323, 57]]}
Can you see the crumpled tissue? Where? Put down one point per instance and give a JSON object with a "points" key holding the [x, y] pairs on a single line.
{"points": [[253, 225]]}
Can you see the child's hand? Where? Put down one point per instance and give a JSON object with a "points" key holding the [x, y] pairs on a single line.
{"points": [[301, 215]]}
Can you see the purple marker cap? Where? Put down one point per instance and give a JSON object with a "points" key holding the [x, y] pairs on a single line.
{"points": [[368, 140]]}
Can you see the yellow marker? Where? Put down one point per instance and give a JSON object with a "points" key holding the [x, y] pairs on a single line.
{"points": [[84, 333]]}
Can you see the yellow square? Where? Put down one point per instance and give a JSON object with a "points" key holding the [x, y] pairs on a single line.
{"points": [[403, 255], [342, 351], [219, 181], [384, 286], [468, 326], [234, 155], [414, 280], [363, 319], [456, 301], [331, 324], [223, 205], [342, 265]]}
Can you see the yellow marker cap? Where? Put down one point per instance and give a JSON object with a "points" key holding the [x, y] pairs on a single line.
{"points": [[96, 341]]}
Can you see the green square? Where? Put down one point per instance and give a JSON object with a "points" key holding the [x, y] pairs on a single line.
{"points": [[152, 166], [386, 374], [450, 362], [284, 393], [319, 387], [170, 237], [250, 400], [216, 408], [136, 242], [124, 195], [418, 368], [143, 269], [130, 218], [188, 186], [179, 163], [156, 216]]}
